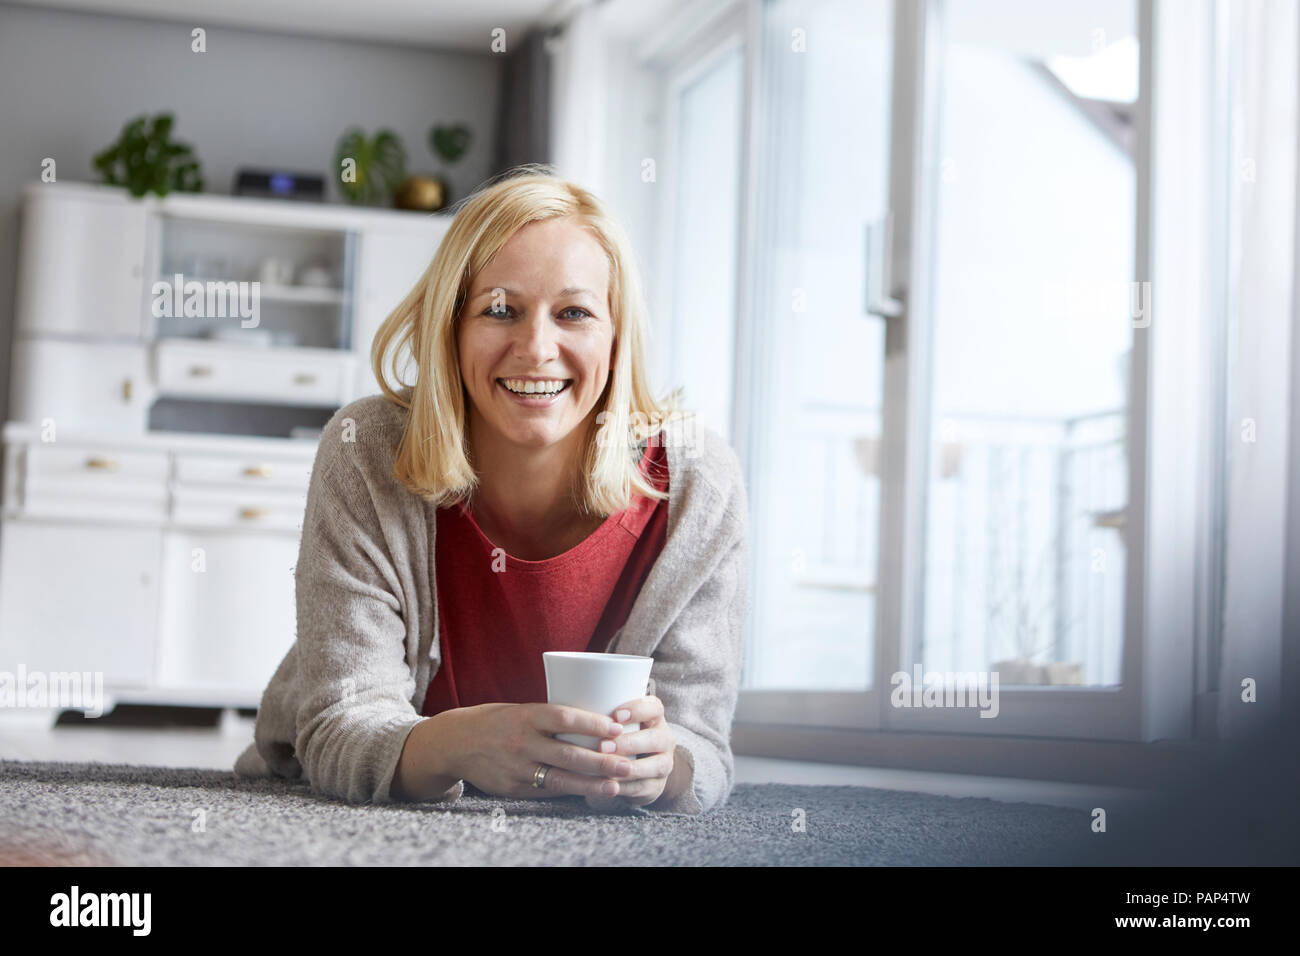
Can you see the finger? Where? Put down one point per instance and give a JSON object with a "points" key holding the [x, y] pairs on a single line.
{"points": [[646, 768], [606, 804], [640, 710], [557, 753], [637, 792], [651, 740], [560, 781], [561, 719]]}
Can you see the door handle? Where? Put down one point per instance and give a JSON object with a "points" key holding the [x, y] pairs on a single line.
{"points": [[880, 296]]}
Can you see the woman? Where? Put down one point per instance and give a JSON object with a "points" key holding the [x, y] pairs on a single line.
{"points": [[525, 494]]}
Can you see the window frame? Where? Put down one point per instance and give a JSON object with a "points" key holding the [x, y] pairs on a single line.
{"points": [[1165, 563]]}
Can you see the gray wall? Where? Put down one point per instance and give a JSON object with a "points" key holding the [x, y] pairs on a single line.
{"points": [[69, 82]]}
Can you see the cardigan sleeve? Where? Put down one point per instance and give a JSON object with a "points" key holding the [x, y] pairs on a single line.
{"points": [[355, 686], [697, 669]]}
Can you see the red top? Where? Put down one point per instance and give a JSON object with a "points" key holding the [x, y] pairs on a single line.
{"points": [[494, 625]]}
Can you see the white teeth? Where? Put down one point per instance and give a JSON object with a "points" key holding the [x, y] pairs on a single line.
{"points": [[522, 387]]}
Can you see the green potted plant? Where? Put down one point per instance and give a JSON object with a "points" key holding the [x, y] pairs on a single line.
{"points": [[369, 168], [145, 159]]}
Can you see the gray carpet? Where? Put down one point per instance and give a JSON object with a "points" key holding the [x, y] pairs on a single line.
{"points": [[117, 814]]}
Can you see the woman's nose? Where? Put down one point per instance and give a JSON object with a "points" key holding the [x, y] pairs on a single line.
{"points": [[535, 334]]}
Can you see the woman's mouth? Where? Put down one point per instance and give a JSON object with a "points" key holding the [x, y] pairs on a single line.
{"points": [[543, 393]]}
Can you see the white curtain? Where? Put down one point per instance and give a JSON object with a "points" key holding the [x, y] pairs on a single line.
{"points": [[579, 94], [1264, 222]]}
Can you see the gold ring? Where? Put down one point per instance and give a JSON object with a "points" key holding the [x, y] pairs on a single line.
{"points": [[539, 775]]}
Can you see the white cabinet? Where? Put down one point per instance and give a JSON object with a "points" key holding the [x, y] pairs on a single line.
{"points": [[80, 597], [103, 386], [163, 561], [71, 281], [151, 534], [95, 347], [210, 640]]}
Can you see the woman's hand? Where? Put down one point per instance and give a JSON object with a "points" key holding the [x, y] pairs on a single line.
{"points": [[497, 748], [655, 744]]}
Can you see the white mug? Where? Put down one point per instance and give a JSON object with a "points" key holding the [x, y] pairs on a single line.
{"points": [[595, 682]]}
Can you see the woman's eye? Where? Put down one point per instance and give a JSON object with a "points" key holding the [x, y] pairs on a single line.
{"points": [[505, 310]]}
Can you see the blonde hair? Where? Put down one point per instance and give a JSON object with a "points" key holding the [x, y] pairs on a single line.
{"points": [[432, 458]]}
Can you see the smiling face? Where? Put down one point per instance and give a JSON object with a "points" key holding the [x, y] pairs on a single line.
{"points": [[539, 313]]}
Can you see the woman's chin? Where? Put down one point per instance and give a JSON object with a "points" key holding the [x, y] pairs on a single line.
{"points": [[537, 434]]}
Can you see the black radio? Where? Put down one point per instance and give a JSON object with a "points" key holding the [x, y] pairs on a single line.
{"points": [[279, 184]]}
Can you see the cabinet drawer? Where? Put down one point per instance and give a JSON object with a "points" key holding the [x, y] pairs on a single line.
{"points": [[97, 483], [216, 508], [102, 464], [251, 472], [88, 482], [288, 376], [111, 508]]}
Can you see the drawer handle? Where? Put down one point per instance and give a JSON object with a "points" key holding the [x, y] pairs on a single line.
{"points": [[258, 471], [304, 378], [252, 513], [101, 464], [199, 371]]}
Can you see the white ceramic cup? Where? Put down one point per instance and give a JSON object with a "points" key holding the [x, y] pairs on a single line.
{"points": [[595, 682]]}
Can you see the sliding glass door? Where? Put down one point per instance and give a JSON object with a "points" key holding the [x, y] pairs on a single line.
{"points": [[815, 409], [936, 242], [1032, 315], [944, 312], [1027, 177]]}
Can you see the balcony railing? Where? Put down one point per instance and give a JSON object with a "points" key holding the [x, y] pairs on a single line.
{"points": [[1024, 560]]}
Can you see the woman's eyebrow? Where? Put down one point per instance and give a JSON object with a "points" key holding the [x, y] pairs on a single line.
{"points": [[492, 290]]}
